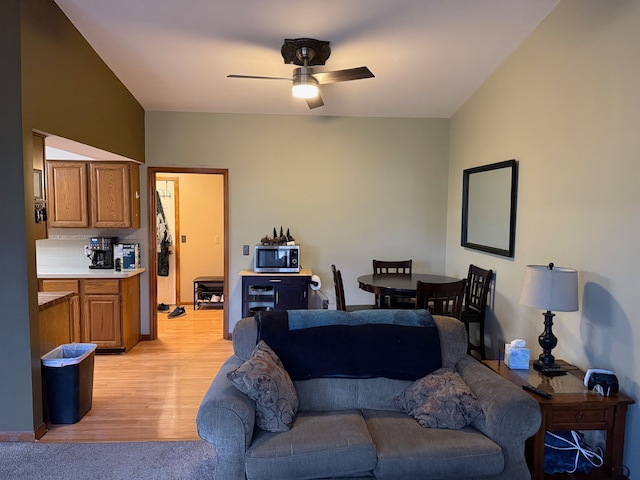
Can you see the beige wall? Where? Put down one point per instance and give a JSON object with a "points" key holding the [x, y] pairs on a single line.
{"points": [[202, 221], [349, 189], [200, 199], [566, 106]]}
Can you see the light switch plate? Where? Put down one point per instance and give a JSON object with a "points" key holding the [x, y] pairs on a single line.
{"points": [[245, 249]]}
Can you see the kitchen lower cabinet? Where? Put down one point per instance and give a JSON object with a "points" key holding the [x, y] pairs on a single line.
{"points": [[75, 318], [101, 321], [53, 320], [104, 311], [263, 291], [74, 302]]}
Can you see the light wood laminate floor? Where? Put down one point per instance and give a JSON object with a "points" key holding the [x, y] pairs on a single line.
{"points": [[152, 393]]}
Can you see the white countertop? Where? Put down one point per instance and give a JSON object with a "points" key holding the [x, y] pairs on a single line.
{"points": [[75, 272]]}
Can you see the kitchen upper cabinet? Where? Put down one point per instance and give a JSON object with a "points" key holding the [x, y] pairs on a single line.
{"points": [[40, 212], [67, 194], [93, 194]]}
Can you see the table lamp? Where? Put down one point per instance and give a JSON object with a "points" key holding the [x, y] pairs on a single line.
{"points": [[551, 289]]}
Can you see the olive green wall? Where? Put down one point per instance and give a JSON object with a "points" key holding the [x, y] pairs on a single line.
{"points": [[15, 355], [51, 80], [68, 89]]}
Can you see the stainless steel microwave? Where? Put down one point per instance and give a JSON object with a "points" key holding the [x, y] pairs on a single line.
{"points": [[276, 259]]}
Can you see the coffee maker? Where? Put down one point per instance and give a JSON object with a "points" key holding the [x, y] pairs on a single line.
{"points": [[100, 251]]}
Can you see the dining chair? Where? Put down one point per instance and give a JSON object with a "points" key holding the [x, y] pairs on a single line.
{"points": [[397, 267], [340, 299], [441, 298], [475, 305]]}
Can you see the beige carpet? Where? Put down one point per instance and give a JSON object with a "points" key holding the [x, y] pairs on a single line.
{"points": [[98, 461]]}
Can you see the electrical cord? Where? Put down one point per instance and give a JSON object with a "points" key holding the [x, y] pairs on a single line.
{"points": [[626, 473], [594, 458]]}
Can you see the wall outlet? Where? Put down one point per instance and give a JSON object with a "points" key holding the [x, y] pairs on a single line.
{"points": [[325, 304], [184, 239], [245, 249]]}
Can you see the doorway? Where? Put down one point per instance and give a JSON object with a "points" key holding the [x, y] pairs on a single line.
{"points": [[176, 286]]}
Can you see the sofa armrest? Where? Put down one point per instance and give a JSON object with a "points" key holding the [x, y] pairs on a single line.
{"points": [[226, 419], [510, 414]]}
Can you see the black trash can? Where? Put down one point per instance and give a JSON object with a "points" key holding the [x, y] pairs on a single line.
{"points": [[67, 382]]}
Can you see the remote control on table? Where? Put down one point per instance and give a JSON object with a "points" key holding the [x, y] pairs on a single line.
{"points": [[537, 391], [553, 371]]}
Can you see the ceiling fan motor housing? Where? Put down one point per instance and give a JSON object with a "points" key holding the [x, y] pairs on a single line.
{"points": [[296, 51]]}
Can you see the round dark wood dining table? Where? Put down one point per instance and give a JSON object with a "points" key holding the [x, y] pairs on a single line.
{"points": [[399, 285]]}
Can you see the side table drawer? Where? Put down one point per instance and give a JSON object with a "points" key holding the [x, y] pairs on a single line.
{"points": [[576, 418]]}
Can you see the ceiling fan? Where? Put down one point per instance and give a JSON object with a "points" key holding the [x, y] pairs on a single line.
{"points": [[308, 53]]}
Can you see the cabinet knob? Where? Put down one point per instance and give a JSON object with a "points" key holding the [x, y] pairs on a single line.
{"points": [[579, 416]]}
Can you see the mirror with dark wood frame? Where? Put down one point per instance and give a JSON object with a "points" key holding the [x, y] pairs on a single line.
{"points": [[489, 194]]}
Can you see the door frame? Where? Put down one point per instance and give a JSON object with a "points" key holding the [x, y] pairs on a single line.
{"points": [[176, 242], [153, 250]]}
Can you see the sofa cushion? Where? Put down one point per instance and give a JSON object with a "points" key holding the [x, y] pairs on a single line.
{"points": [[263, 378], [407, 450], [320, 445], [358, 349], [349, 393], [440, 400]]}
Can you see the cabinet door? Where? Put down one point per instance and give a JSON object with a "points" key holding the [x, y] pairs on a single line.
{"points": [[38, 186], [110, 195], [101, 320], [67, 194], [292, 296]]}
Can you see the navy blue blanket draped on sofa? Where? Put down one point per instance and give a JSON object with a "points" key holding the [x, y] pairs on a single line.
{"points": [[397, 344]]}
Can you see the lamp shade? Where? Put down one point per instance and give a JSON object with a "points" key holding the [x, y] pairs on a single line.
{"points": [[553, 289]]}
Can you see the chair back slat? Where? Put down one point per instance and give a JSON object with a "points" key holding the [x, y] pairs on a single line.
{"points": [[441, 298], [478, 281], [337, 281], [396, 266]]}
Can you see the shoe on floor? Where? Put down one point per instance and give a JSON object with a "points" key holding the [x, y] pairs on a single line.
{"points": [[163, 307], [177, 312]]}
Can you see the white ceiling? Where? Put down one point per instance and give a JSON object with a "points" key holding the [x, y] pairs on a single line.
{"points": [[428, 56]]}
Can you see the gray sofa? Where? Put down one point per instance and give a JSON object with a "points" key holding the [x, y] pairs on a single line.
{"points": [[352, 427]]}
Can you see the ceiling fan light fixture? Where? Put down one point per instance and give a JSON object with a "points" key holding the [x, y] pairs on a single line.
{"points": [[304, 86]]}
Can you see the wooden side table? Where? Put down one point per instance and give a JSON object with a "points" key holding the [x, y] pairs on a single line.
{"points": [[572, 407]]}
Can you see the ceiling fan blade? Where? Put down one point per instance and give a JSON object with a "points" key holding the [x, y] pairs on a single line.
{"points": [[258, 77], [315, 102], [343, 75]]}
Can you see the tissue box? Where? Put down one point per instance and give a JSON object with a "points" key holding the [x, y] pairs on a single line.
{"points": [[516, 358]]}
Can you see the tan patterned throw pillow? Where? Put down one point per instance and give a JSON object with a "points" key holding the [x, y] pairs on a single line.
{"points": [[440, 400], [263, 379]]}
